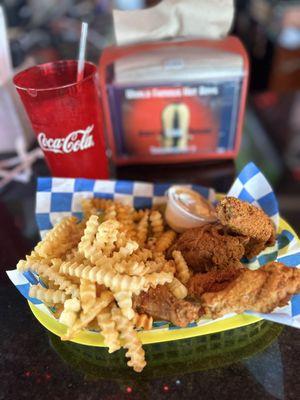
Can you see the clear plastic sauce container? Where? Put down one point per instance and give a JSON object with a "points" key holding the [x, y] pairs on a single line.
{"points": [[187, 209]]}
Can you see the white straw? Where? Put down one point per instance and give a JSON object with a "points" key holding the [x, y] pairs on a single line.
{"points": [[82, 49], [5, 58]]}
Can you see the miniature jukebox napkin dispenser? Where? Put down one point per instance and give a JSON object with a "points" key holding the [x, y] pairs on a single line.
{"points": [[174, 101]]}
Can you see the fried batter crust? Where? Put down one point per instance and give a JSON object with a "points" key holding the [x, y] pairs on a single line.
{"points": [[162, 305], [261, 291], [210, 247], [212, 281], [245, 219]]}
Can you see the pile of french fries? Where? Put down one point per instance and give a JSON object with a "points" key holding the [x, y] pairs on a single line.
{"points": [[92, 268]]}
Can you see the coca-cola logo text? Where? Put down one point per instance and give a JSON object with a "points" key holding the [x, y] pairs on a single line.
{"points": [[73, 142]]}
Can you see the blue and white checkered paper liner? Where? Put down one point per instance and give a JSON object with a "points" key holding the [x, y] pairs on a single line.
{"points": [[59, 197]]}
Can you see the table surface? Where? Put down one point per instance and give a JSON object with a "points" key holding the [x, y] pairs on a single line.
{"points": [[258, 362]]}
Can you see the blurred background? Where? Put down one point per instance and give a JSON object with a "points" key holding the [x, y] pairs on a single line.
{"points": [[46, 30], [49, 29]]}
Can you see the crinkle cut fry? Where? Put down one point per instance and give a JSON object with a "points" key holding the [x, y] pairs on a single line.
{"points": [[124, 300], [125, 217], [125, 251], [110, 213], [182, 270], [50, 272], [87, 294], [154, 266], [106, 236], [142, 229], [143, 321], [165, 241], [142, 255], [33, 258], [59, 239], [157, 278], [105, 275], [86, 243], [132, 268], [102, 204], [151, 243], [177, 289], [49, 296], [158, 264], [70, 311], [88, 208], [104, 243], [135, 352], [108, 330], [138, 214], [75, 255], [156, 222], [169, 266], [106, 297]]}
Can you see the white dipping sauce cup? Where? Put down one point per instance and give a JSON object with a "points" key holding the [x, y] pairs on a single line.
{"points": [[178, 218]]}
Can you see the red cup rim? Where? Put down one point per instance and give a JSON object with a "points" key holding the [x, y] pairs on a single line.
{"points": [[56, 87]]}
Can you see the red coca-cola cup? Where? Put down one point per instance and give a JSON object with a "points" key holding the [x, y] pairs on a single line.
{"points": [[66, 117]]}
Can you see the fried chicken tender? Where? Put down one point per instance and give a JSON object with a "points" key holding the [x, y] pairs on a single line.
{"points": [[260, 291], [161, 304], [210, 247], [247, 220], [212, 281]]}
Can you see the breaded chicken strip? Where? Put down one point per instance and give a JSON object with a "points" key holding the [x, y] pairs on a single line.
{"points": [[260, 291], [248, 220], [212, 281], [162, 305], [210, 247]]}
